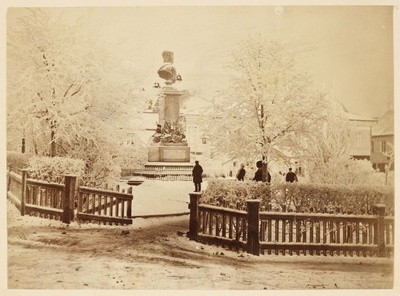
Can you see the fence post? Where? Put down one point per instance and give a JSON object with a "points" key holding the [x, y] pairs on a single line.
{"points": [[253, 218], [380, 211], [194, 215], [9, 169], [24, 173], [129, 207], [69, 195]]}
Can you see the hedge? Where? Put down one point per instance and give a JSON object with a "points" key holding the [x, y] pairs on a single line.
{"points": [[299, 197], [53, 169]]}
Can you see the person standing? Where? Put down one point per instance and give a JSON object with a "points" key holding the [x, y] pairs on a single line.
{"points": [[197, 176], [241, 173], [291, 176], [258, 174]]}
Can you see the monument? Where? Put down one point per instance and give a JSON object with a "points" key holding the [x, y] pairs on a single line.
{"points": [[168, 146]]}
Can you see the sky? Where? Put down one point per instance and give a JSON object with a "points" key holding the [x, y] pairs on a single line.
{"points": [[347, 50]]}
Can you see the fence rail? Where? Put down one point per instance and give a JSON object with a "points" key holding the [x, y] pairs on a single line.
{"points": [[14, 186], [316, 234], [57, 201], [105, 206], [292, 233], [43, 199]]}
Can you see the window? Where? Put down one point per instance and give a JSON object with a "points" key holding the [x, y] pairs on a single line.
{"points": [[383, 146], [204, 140]]}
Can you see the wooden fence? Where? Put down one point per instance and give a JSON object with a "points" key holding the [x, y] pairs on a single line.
{"points": [[292, 233], [57, 201], [14, 188], [48, 200], [104, 205]]}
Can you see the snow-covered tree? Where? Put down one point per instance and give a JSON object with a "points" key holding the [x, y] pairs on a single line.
{"points": [[333, 137], [270, 109], [343, 170], [66, 94], [329, 162]]}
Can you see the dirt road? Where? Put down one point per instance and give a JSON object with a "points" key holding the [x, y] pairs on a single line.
{"points": [[156, 254]]}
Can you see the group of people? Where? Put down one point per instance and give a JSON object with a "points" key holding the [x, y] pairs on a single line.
{"points": [[197, 173], [290, 176]]}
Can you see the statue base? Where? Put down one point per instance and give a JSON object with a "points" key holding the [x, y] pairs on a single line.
{"points": [[169, 153], [167, 171]]}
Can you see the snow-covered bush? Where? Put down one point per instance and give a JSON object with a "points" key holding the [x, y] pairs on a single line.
{"points": [[53, 169], [297, 197], [344, 171], [133, 156], [17, 160]]}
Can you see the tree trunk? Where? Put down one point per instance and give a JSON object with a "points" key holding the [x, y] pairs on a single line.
{"points": [[53, 144], [35, 147], [23, 145], [53, 147]]}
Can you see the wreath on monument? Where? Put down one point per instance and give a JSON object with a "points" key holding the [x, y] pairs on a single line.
{"points": [[171, 132]]}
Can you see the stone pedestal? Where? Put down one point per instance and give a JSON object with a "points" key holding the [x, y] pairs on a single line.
{"points": [[170, 105], [169, 153], [169, 112]]}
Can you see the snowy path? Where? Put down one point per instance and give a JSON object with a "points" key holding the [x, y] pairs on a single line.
{"points": [[155, 197]]}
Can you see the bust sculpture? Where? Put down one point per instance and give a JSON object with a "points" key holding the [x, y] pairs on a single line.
{"points": [[167, 70]]}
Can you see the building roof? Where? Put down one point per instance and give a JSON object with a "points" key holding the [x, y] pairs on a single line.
{"points": [[385, 124], [357, 117]]}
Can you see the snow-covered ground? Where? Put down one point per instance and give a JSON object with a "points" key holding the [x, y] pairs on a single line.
{"points": [[155, 197], [154, 253]]}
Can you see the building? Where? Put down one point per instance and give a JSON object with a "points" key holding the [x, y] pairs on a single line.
{"points": [[197, 139], [360, 142], [382, 142]]}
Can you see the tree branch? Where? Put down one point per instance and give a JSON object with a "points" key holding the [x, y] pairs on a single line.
{"points": [[283, 132], [76, 91], [68, 90]]}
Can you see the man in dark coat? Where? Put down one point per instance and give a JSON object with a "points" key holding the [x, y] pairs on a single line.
{"points": [[197, 179], [241, 173], [258, 176], [291, 176]]}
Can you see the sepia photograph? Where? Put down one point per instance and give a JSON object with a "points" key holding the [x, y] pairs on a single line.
{"points": [[215, 146]]}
